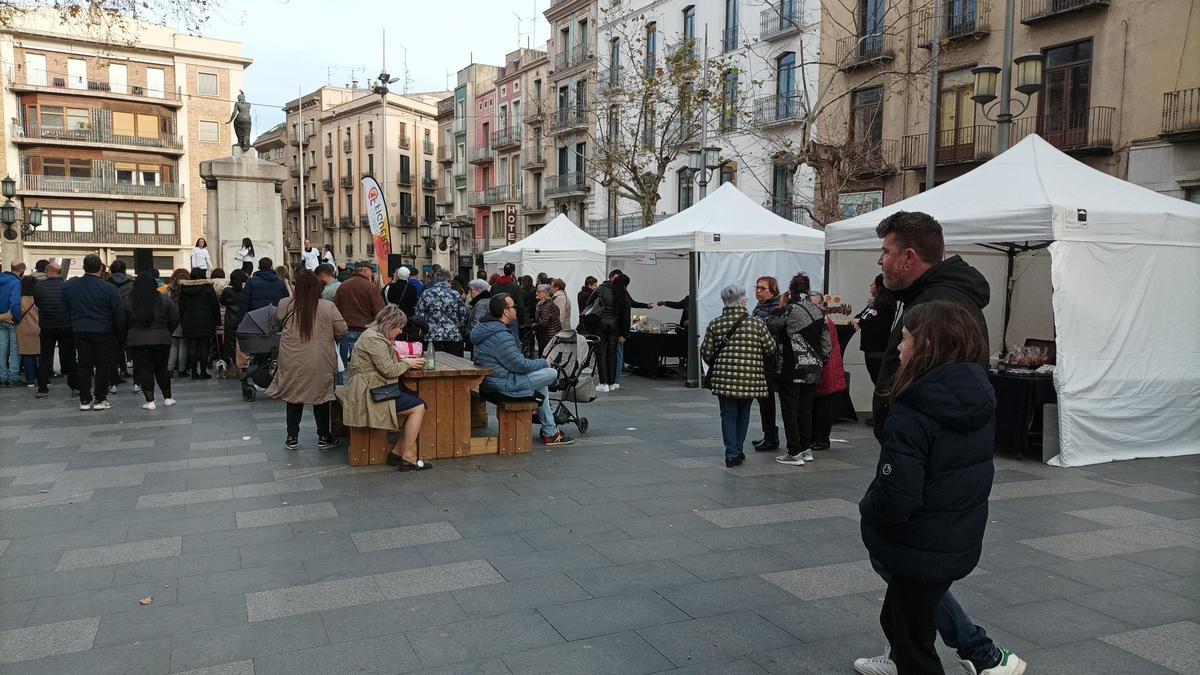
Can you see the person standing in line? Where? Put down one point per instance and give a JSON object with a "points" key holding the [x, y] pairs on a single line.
{"points": [[263, 289], [327, 256], [55, 331], [10, 317], [480, 294], [625, 305], [231, 300], [29, 332], [801, 327], [874, 325], [200, 257], [735, 347], [446, 314], [199, 316], [402, 292], [766, 292], [924, 514], [584, 296], [308, 357], [97, 318], [178, 360], [327, 275], [507, 283], [285, 275], [244, 258], [546, 320], [833, 382], [309, 256], [358, 300], [558, 293], [124, 284], [151, 318]]}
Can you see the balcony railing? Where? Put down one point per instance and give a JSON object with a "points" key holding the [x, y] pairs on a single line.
{"points": [[95, 185], [460, 125], [606, 228], [445, 195], [404, 178], [92, 134], [535, 110], [363, 220], [568, 119], [787, 207], [104, 231], [860, 50], [955, 146], [481, 154], [533, 158], [327, 184], [294, 171], [875, 157], [345, 222], [328, 150], [20, 78], [1181, 112], [404, 142], [533, 203], [427, 146], [562, 60], [408, 219], [777, 109], [502, 194], [369, 140], [347, 182], [1087, 131], [960, 20], [780, 20], [506, 137], [1033, 11], [459, 170], [327, 223], [445, 153], [347, 146], [428, 182], [566, 185], [729, 39], [683, 50], [477, 198]]}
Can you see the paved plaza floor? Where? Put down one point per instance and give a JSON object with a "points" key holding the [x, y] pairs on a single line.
{"points": [[188, 539]]}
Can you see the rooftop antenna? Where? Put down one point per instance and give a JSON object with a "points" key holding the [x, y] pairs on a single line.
{"points": [[520, 20]]}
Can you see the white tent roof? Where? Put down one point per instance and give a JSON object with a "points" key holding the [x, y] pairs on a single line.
{"points": [[1034, 192], [726, 220], [558, 235]]}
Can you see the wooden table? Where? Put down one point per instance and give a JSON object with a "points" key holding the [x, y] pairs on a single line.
{"points": [[446, 430]]}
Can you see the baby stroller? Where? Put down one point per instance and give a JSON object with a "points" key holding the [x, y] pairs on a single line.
{"points": [[573, 356], [258, 336]]}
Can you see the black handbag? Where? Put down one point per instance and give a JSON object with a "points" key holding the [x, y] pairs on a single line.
{"points": [[387, 392], [706, 381]]}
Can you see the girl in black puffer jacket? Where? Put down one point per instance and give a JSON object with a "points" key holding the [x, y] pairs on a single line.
{"points": [[924, 514]]}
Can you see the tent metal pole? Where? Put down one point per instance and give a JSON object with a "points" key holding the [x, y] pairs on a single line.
{"points": [[1008, 292], [693, 350]]}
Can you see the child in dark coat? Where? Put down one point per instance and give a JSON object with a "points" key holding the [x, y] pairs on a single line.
{"points": [[924, 514]]}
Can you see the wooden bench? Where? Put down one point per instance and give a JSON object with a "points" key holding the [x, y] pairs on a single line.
{"points": [[366, 446], [515, 435]]}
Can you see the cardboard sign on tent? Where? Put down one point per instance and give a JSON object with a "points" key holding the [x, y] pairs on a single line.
{"points": [[561, 250], [1120, 258]]}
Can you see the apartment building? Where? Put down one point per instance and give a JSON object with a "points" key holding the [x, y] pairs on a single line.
{"points": [[569, 124], [1114, 92], [475, 85], [107, 128]]}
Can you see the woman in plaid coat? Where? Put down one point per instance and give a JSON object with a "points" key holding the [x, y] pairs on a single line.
{"points": [[735, 348]]}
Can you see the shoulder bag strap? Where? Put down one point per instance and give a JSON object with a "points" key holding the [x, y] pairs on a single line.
{"points": [[725, 339]]}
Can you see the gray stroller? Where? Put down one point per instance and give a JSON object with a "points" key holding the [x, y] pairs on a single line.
{"points": [[573, 355]]}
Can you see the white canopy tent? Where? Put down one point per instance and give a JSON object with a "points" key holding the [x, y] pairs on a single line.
{"points": [[561, 250], [1120, 258], [733, 239]]}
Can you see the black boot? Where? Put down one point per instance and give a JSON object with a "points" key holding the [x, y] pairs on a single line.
{"points": [[195, 373], [769, 441]]}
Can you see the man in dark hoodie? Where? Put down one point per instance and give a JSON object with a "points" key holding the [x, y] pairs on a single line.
{"points": [[507, 283], [55, 325], [97, 318], [262, 289], [124, 284], [914, 269]]}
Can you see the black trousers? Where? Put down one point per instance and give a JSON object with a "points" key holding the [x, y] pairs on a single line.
{"points": [[822, 419], [796, 401], [198, 352], [150, 366], [96, 352], [907, 621], [64, 340], [606, 354], [454, 347], [874, 360], [320, 413], [766, 414]]}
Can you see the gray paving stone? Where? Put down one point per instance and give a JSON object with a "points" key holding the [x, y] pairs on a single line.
{"points": [[232, 668], [241, 581], [286, 514], [1018, 586], [511, 596], [151, 656], [618, 654], [1089, 656], [387, 654], [726, 595], [281, 602], [612, 614], [1120, 516], [119, 553], [297, 550], [1142, 606], [410, 535], [489, 666], [604, 581], [574, 535], [35, 642], [824, 619], [479, 638], [4, 546], [725, 564], [1116, 541], [700, 640], [57, 583], [1109, 573], [235, 538], [61, 541], [1050, 623], [449, 577], [820, 658], [1188, 587], [235, 643], [391, 616], [644, 549], [783, 512], [155, 621], [547, 562], [1175, 646], [475, 548], [828, 581], [1179, 561], [100, 602], [349, 565]]}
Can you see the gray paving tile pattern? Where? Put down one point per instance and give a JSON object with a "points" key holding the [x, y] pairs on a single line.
{"points": [[633, 551]]}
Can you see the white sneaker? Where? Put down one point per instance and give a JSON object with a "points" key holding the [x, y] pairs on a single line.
{"points": [[168, 402], [807, 455], [112, 388], [85, 406], [790, 460], [614, 386], [879, 665], [137, 388], [149, 405], [102, 405], [602, 388], [1010, 664]]}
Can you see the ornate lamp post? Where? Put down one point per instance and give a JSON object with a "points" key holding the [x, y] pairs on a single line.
{"points": [[1029, 81], [8, 213]]}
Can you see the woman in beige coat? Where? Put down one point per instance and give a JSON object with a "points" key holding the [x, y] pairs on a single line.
{"points": [[307, 358], [29, 333], [374, 363]]}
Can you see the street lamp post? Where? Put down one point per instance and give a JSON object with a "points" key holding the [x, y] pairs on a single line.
{"points": [[702, 162], [1029, 81], [8, 212]]}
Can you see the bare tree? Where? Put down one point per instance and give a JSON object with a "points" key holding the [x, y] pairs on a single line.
{"points": [[110, 17]]}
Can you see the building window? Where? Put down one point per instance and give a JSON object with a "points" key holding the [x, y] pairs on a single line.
{"points": [[651, 48], [206, 83], [516, 86], [74, 168], [129, 222], [689, 23], [406, 205], [866, 107], [209, 131], [614, 61], [156, 82], [956, 116], [430, 209], [77, 74], [729, 173], [729, 93], [1064, 101], [69, 220], [371, 164], [35, 69], [650, 131], [870, 29], [729, 36], [139, 126], [685, 185], [118, 78], [785, 87]]}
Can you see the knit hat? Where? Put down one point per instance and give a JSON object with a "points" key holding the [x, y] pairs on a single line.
{"points": [[478, 284], [402, 274]]}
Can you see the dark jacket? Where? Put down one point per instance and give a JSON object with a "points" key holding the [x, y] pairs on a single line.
{"points": [[875, 327], [124, 284], [497, 347], [51, 304], [686, 305], [508, 284], [231, 300], [403, 294], [478, 310], [262, 289], [199, 309], [158, 331], [584, 296], [94, 306], [952, 280], [358, 300], [924, 514]]}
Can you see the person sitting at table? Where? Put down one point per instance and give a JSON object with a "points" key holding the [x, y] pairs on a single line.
{"points": [[513, 375], [375, 364], [833, 382], [546, 321]]}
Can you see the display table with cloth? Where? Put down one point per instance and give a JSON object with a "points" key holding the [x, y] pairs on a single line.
{"points": [[648, 352], [843, 406], [1019, 401]]}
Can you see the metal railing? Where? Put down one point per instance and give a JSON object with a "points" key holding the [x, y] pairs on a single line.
{"points": [[294, 171], [93, 134], [607, 228], [729, 39], [327, 223], [363, 220], [1033, 11], [21, 77], [778, 109], [787, 207], [580, 54], [532, 202], [95, 185], [477, 198], [369, 140], [506, 137], [502, 194], [404, 142], [427, 146], [460, 125], [859, 50], [872, 157], [566, 119], [533, 158], [960, 20], [1089, 129], [684, 49], [347, 145], [955, 146], [327, 184], [535, 110], [445, 153], [404, 178], [347, 182], [428, 182], [328, 150], [445, 195], [1181, 111], [104, 231], [779, 21], [345, 222], [562, 60], [480, 154], [566, 184], [459, 170]]}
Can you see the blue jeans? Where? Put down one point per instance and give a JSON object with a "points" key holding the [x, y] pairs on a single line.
{"points": [[957, 629], [735, 420], [345, 346], [10, 356], [29, 365], [540, 381], [620, 361]]}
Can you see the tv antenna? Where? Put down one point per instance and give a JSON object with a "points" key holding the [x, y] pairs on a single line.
{"points": [[353, 71]]}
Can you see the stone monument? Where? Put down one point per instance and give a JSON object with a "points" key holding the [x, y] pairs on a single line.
{"points": [[244, 198]]}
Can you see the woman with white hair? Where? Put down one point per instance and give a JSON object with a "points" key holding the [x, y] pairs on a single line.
{"points": [[374, 363], [735, 348], [480, 294], [547, 320]]}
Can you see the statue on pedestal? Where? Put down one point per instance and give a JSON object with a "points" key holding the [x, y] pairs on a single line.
{"points": [[241, 121]]}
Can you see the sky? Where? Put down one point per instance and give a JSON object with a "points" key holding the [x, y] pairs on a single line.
{"points": [[304, 44]]}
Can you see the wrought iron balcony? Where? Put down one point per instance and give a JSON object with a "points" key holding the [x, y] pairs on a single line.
{"points": [[404, 178], [445, 195], [294, 171], [327, 184], [568, 119], [404, 142], [683, 50], [533, 203], [481, 154], [21, 78], [477, 198], [427, 146], [787, 207], [856, 51], [347, 182], [506, 138], [459, 170], [90, 135], [1033, 11], [345, 222], [408, 219], [328, 150], [347, 146], [779, 21], [533, 158], [460, 125], [501, 194], [535, 110], [961, 20], [562, 60], [770, 110], [1087, 131], [428, 182], [104, 233], [1181, 114], [445, 153], [729, 39], [364, 221], [98, 185], [327, 223], [873, 157], [369, 140], [566, 185], [955, 146]]}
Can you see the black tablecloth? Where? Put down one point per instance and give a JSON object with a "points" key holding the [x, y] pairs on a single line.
{"points": [[1019, 401], [645, 352]]}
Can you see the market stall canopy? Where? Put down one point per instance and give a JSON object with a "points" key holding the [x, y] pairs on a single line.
{"points": [[1035, 192], [726, 220]]}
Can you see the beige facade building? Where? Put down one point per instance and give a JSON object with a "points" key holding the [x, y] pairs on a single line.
{"points": [[1117, 81], [573, 71], [106, 129]]}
